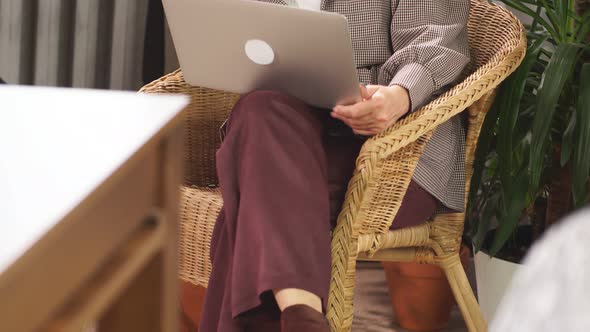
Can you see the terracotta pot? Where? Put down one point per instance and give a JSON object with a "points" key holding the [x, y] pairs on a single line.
{"points": [[191, 299], [420, 294]]}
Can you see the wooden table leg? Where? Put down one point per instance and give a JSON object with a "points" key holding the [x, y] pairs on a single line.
{"points": [[139, 306], [151, 303], [173, 172]]}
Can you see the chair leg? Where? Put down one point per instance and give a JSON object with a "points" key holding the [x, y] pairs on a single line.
{"points": [[464, 294], [340, 301]]}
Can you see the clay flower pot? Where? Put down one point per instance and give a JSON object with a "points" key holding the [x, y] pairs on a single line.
{"points": [[420, 294], [192, 298]]}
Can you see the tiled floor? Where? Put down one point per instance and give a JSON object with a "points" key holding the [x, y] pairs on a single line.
{"points": [[372, 312]]}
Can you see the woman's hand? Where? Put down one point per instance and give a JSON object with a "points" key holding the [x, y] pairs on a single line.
{"points": [[380, 108]]}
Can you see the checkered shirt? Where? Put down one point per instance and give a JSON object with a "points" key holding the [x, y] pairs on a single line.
{"points": [[422, 46]]}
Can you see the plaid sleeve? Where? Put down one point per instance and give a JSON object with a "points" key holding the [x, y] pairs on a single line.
{"points": [[429, 40]]}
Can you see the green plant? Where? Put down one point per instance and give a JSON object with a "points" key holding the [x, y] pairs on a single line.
{"points": [[533, 155]]}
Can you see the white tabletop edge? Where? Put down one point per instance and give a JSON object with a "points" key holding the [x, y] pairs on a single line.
{"points": [[58, 145]]}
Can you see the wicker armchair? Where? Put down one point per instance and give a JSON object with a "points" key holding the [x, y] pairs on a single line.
{"points": [[383, 172]]}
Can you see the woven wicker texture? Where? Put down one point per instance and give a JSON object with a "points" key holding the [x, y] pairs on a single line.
{"points": [[200, 200], [498, 44], [202, 205], [205, 114], [383, 172]]}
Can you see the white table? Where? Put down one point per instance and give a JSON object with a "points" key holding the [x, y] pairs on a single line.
{"points": [[550, 291], [80, 173]]}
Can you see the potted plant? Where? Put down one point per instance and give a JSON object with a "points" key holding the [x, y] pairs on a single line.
{"points": [[533, 157], [421, 297]]}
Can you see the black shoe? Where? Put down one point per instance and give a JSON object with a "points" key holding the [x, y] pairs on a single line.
{"points": [[301, 317]]}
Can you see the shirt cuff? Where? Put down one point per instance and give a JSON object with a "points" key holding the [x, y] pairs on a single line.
{"points": [[417, 79]]}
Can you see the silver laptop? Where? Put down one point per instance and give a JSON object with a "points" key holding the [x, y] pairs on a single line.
{"points": [[241, 46]]}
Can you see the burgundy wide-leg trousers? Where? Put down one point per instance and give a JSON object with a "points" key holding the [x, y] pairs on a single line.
{"points": [[283, 171]]}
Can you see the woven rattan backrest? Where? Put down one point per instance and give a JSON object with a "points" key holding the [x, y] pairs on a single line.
{"points": [[204, 116], [493, 34], [387, 161]]}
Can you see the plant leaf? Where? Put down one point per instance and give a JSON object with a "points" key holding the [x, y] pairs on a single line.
{"points": [[483, 225], [518, 5], [581, 160], [567, 141], [483, 147], [552, 13], [510, 216], [484, 143], [558, 72], [535, 22], [509, 103], [583, 29]]}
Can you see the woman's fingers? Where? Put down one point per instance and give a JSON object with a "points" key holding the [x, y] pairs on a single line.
{"points": [[358, 126], [369, 129], [354, 111], [371, 89], [367, 91], [364, 120], [369, 132], [368, 117], [354, 123], [364, 93]]}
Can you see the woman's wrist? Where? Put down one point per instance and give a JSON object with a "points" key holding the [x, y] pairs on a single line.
{"points": [[400, 98], [403, 97]]}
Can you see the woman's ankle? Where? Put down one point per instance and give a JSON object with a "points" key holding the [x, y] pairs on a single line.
{"points": [[288, 297]]}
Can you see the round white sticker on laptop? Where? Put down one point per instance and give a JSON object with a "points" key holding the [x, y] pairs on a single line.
{"points": [[259, 52]]}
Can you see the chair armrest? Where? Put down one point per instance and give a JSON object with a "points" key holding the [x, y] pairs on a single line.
{"points": [[205, 114], [443, 108], [387, 161]]}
